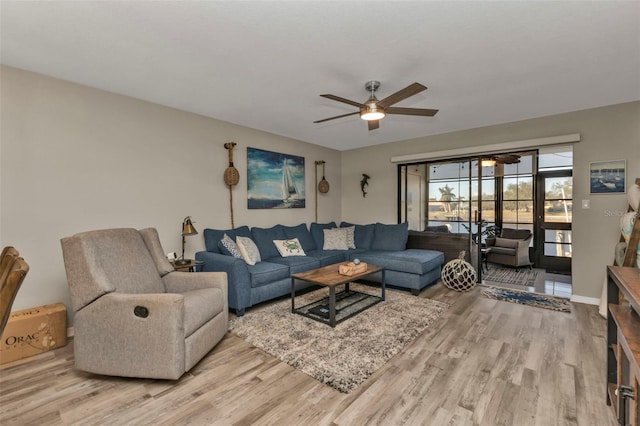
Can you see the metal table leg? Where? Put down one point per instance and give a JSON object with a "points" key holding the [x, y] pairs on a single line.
{"points": [[332, 306], [293, 295]]}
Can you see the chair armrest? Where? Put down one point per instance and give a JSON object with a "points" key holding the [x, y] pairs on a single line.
{"points": [[179, 282], [238, 277]]}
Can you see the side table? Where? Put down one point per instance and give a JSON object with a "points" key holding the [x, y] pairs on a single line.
{"points": [[192, 266]]}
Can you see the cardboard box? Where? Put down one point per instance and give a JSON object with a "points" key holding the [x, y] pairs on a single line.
{"points": [[33, 331]]}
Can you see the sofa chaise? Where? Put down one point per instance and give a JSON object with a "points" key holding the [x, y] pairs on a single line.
{"points": [[270, 277]]}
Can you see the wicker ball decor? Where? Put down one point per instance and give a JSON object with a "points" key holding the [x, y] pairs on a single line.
{"points": [[323, 186], [231, 176], [459, 275]]}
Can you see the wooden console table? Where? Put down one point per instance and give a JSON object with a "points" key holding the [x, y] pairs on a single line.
{"points": [[623, 343]]}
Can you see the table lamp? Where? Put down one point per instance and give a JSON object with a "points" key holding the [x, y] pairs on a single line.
{"points": [[187, 229]]}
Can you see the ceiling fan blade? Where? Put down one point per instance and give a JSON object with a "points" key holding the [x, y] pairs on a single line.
{"points": [[411, 111], [373, 124], [410, 90], [346, 101], [508, 159], [337, 116]]}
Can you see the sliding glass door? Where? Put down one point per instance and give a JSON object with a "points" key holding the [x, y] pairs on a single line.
{"points": [[534, 192]]}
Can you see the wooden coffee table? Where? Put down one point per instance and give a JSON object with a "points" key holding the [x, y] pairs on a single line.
{"points": [[337, 307]]}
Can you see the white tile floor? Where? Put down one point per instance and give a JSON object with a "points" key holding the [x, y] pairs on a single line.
{"points": [[556, 284], [546, 283]]}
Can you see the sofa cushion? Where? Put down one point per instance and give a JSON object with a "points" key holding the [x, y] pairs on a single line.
{"points": [[413, 261], [390, 237], [351, 240], [515, 234], [229, 247], [302, 234], [213, 236], [318, 234], [249, 250], [328, 257], [505, 242], [297, 264], [335, 239], [267, 272], [363, 234], [288, 248], [263, 237], [503, 250]]}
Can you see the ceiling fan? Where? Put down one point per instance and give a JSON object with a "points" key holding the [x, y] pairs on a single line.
{"points": [[373, 110]]}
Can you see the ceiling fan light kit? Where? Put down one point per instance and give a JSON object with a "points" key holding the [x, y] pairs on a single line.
{"points": [[492, 160], [371, 111], [374, 110]]}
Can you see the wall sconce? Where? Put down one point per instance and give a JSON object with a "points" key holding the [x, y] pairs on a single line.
{"points": [[187, 229]]}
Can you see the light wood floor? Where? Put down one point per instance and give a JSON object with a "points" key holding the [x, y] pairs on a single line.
{"points": [[484, 362]]}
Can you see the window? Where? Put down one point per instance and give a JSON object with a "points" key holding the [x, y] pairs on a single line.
{"points": [[455, 199], [517, 193]]}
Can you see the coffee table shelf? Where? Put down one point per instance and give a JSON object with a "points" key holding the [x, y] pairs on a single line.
{"points": [[340, 306]]}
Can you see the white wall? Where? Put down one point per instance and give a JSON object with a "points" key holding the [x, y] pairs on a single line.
{"points": [[608, 133], [75, 158]]}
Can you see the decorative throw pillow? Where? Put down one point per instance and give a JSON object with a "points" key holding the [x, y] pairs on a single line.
{"points": [[249, 250], [351, 237], [335, 239], [229, 247], [289, 247], [506, 242]]}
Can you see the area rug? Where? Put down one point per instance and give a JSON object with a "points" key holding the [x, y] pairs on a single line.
{"points": [[538, 300], [345, 356], [524, 276]]}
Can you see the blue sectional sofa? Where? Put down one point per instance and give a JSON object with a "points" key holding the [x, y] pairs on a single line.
{"points": [[379, 244]]}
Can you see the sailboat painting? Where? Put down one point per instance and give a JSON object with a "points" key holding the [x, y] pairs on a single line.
{"points": [[607, 177], [274, 180]]}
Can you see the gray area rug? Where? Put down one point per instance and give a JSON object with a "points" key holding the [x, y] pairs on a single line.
{"points": [[345, 356], [524, 276]]}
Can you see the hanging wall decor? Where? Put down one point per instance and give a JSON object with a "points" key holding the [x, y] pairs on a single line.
{"points": [[364, 182], [323, 186], [274, 180], [231, 177], [607, 177]]}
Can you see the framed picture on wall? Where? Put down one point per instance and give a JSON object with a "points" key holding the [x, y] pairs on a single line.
{"points": [[274, 180], [607, 177]]}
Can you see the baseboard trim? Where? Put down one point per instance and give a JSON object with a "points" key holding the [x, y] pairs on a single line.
{"points": [[585, 300]]}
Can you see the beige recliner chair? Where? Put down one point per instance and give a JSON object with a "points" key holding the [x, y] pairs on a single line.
{"points": [[510, 248], [134, 316]]}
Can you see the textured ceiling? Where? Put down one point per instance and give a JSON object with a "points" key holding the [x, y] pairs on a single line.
{"points": [[263, 64]]}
